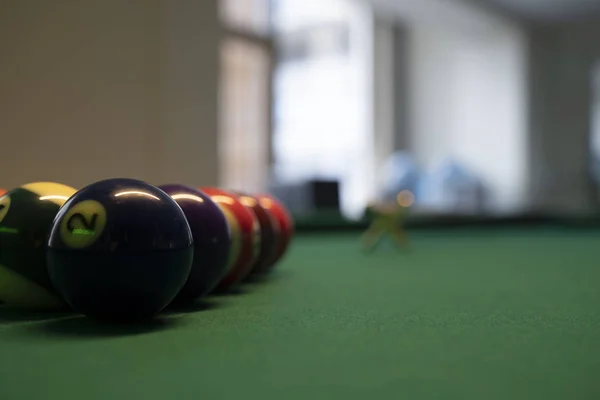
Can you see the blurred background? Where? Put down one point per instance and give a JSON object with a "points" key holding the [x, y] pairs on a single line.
{"points": [[486, 107]]}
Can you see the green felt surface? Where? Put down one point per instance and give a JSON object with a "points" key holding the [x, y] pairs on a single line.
{"points": [[497, 314]]}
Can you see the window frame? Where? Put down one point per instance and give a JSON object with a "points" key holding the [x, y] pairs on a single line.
{"points": [[266, 42]]}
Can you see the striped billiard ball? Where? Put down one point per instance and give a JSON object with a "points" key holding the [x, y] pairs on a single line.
{"points": [[246, 224], [26, 215]]}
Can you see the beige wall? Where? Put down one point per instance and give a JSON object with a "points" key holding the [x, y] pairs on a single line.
{"points": [[91, 89]]}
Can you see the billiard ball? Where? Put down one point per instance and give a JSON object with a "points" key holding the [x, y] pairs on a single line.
{"points": [[249, 238], [26, 215], [120, 250], [269, 232], [286, 224], [235, 234], [2, 191], [212, 241]]}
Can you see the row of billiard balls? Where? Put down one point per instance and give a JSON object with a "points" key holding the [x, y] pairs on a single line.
{"points": [[123, 249]]}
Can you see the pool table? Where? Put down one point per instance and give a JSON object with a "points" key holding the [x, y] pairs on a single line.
{"points": [[465, 314]]}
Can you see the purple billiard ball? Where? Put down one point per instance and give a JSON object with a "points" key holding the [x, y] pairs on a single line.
{"points": [[212, 241]]}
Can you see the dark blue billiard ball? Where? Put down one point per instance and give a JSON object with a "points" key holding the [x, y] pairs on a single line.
{"points": [[212, 241], [120, 250]]}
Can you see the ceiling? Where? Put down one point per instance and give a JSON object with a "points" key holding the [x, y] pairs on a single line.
{"points": [[545, 10]]}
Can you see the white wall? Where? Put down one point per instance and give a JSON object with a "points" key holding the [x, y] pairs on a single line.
{"points": [[468, 96], [431, 91], [96, 89], [466, 91], [512, 100], [383, 112], [561, 65]]}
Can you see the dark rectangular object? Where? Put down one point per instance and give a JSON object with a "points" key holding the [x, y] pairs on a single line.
{"points": [[325, 194], [309, 197]]}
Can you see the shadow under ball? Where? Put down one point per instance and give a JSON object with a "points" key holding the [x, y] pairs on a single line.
{"points": [[120, 250], [212, 241]]}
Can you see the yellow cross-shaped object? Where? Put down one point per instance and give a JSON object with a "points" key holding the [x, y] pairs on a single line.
{"points": [[388, 219]]}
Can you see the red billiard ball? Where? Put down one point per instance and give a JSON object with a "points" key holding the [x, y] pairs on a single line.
{"points": [[270, 234], [248, 236], [286, 225]]}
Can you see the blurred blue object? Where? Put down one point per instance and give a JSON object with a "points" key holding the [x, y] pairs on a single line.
{"points": [[452, 187], [400, 173]]}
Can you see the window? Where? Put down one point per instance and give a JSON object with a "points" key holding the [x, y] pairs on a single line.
{"points": [[246, 15], [321, 94], [300, 112], [245, 115], [245, 95]]}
